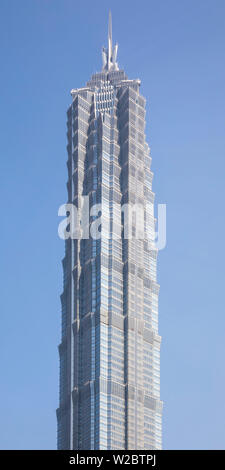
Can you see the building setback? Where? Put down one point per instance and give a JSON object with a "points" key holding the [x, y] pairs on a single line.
{"points": [[110, 347]]}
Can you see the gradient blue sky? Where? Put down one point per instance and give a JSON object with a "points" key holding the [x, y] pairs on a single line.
{"points": [[176, 48]]}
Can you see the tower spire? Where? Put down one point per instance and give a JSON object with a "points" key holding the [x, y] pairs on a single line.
{"points": [[109, 55], [110, 38]]}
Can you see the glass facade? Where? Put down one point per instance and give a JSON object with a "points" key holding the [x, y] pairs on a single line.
{"points": [[110, 347]]}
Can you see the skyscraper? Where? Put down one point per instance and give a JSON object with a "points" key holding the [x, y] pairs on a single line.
{"points": [[110, 347]]}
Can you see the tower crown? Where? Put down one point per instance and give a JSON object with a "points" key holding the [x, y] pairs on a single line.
{"points": [[109, 55]]}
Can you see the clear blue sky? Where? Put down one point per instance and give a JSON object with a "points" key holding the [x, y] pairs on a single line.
{"points": [[177, 49]]}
